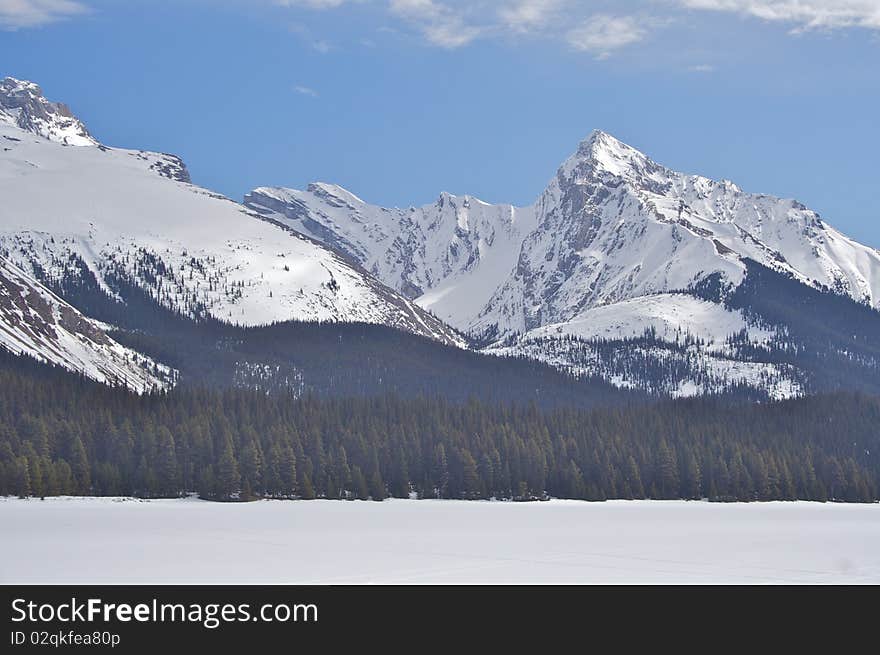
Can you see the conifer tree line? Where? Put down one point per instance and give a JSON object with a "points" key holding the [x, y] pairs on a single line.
{"points": [[63, 435]]}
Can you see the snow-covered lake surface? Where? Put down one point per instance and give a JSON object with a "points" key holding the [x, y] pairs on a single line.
{"points": [[91, 540]]}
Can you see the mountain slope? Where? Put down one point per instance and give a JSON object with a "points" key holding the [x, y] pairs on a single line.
{"points": [[133, 215], [35, 322]]}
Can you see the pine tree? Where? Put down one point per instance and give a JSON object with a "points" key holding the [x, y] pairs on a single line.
{"points": [[440, 471], [667, 472], [80, 467], [691, 477], [207, 483], [307, 491], [288, 472], [469, 477], [22, 478], [167, 478], [228, 479], [35, 470], [376, 486], [573, 481], [361, 488], [251, 468], [633, 478]]}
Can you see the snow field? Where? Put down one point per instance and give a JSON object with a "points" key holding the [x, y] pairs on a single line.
{"points": [[121, 541]]}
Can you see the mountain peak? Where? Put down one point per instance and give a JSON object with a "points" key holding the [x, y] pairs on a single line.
{"points": [[13, 85], [23, 104], [597, 137], [599, 141]]}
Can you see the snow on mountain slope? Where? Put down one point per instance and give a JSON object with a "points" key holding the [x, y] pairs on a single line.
{"points": [[700, 331], [35, 322], [684, 372], [131, 213], [451, 255], [671, 316]]}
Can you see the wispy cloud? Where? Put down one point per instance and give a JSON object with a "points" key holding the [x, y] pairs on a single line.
{"points": [[602, 34], [530, 15], [591, 26], [803, 14], [701, 68], [441, 24], [304, 33], [19, 14], [306, 91]]}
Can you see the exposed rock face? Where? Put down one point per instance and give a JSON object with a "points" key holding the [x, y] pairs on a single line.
{"points": [[23, 104]]}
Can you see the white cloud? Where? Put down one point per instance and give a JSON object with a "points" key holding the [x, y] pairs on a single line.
{"points": [[601, 34], [306, 91], [440, 24], [701, 68], [455, 23], [804, 14], [17, 14], [529, 15], [421, 9]]}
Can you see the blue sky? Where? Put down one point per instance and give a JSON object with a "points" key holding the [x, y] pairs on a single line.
{"points": [[400, 99]]}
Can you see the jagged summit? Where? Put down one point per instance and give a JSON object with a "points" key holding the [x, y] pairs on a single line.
{"points": [[601, 153], [23, 104], [340, 196], [13, 85], [599, 140]]}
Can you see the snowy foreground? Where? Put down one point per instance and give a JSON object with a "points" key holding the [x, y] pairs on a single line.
{"points": [[92, 540]]}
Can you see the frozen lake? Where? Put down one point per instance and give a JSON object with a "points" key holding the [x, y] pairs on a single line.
{"points": [[75, 540]]}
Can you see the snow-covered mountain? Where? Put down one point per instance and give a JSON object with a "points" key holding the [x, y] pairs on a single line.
{"points": [[614, 225], [133, 215], [35, 322], [612, 230]]}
